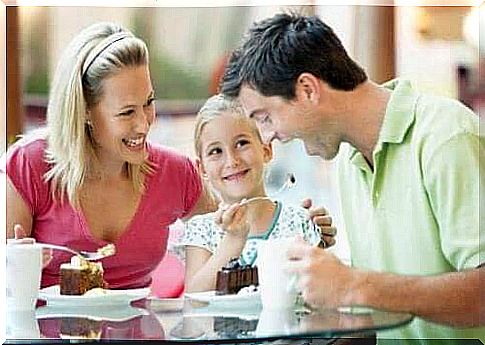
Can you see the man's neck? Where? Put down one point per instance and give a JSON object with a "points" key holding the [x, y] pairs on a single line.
{"points": [[365, 110]]}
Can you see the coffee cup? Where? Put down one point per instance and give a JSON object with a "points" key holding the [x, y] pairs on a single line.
{"points": [[23, 274], [278, 288]]}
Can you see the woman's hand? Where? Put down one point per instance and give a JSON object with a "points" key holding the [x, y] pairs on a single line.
{"points": [[233, 219], [321, 217], [20, 238]]}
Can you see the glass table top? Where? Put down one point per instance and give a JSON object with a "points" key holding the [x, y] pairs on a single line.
{"points": [[182, 320]]}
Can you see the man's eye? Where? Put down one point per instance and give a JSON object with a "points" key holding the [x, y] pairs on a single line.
{"points": [[126, 113], [150, 102]]}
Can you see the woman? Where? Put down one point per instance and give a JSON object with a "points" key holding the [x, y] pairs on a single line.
{"points": [[90, 177]]}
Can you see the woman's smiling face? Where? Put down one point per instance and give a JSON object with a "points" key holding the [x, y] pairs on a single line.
{"points": [[123, 116], [233, 157]]}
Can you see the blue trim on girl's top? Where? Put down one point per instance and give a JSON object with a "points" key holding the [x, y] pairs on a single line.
{"points": [[264, 236]]}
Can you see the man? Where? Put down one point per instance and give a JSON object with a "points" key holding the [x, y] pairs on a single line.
{"points": [[409, 176]]}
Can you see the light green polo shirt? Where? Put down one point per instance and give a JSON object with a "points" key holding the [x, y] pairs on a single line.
{"points": [[417, 212]]}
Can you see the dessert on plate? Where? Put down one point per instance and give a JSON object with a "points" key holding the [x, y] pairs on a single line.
{"points": [[80, 276], [234, 276]]}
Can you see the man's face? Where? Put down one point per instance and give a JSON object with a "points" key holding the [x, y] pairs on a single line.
{"points": [[278, 118]]}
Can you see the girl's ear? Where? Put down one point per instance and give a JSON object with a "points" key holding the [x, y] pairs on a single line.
{"points": [[200, 169], [267, 152]]}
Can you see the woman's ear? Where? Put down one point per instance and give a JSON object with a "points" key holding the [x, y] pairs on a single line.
{"points": [[307, 88]]}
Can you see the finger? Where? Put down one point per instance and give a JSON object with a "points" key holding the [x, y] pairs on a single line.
{"points": [[306, 203], [228, 215], [328, 231], [322, 220], [19, 231], [329, 241], [317, 211]]}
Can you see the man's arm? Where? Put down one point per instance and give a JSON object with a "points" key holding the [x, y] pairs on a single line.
{"points": [[451, 298]]}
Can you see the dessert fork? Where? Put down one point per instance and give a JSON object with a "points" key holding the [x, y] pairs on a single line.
{"points": [[290, 182], [101, 253]]}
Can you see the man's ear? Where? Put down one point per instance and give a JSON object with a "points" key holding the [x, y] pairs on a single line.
{"points": [[308, 88], [267, 152], [200, 169]]}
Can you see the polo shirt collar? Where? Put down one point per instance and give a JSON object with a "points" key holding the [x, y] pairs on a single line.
{"points": [[399, 113], [397, 120]]}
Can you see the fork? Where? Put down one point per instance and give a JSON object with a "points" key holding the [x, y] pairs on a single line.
{"points": [[289, 183], [89, 256]]}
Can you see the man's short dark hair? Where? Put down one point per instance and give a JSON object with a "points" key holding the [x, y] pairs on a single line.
{"points": [[276, 50]]}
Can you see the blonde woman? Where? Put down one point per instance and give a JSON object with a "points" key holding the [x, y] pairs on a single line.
{"points": [[91, 177]]}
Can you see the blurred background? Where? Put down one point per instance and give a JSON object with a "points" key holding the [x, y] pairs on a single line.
{"points": [[436, 47]]}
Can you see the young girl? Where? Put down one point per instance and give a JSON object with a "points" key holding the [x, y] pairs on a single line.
{"points": [[231, 158]]}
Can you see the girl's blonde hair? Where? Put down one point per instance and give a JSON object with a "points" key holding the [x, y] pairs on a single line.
{"points": [[97, 53], [213, 108]]}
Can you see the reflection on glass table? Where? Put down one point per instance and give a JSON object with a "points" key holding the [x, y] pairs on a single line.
{"points": [[199, 322]]}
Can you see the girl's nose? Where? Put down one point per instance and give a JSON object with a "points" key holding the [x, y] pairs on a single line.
{"points": [[232, 158]]}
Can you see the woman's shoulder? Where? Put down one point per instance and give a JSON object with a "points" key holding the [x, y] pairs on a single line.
{"points": [[159, 153], [28, 149]]}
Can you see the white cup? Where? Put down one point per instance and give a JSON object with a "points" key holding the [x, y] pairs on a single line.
{"points": [[277, 287], [22, 324], [274, 322], [24, 268]]}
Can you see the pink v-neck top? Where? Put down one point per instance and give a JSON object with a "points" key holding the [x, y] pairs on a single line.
{"points": [[171, 192]]}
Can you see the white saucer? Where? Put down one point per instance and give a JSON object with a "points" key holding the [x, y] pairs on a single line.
{"points": [[52, 296]]}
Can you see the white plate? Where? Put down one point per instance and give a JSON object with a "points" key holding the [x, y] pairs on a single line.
{"points": [[110, 313], [247, 299], [53, 296]]}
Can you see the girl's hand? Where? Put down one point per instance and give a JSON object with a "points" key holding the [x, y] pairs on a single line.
{"points": [[233, 219], [21, 238]]}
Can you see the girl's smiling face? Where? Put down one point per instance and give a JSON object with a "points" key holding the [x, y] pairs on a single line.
{"points": [[233, 157]]}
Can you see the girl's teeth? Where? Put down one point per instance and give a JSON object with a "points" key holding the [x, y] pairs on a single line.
{"points": [[134, 142]]}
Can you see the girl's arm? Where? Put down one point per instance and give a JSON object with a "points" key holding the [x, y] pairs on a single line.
{"points": [[201, 265]]}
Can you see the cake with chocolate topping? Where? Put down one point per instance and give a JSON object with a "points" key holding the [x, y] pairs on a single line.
{"points": [[234, 276], [80, 276]]}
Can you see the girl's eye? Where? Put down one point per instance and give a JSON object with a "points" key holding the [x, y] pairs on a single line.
{"points": [[242, 142]]}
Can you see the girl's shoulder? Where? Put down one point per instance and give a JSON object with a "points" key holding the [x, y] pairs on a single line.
{"points": [[291, 212]]}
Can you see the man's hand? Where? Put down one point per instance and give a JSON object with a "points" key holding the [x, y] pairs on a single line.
{"points": [[320, 216], [20, 238], [323, 279]]}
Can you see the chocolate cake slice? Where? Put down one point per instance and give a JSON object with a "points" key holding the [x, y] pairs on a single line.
{"points": [[79, 276], [233, 277]]}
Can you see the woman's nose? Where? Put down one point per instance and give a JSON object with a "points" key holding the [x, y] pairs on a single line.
{"points": [[144, 121]]}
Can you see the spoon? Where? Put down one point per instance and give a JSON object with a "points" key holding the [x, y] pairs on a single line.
{"points": [[101, 253], [290, 182]]}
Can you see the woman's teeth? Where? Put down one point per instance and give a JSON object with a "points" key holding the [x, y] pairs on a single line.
{"points": [[133, 142]]}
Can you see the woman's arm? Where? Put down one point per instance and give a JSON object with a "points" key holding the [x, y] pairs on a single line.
{"points": [[17, 212]]}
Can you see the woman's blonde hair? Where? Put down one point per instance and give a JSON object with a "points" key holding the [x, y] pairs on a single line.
{"points": [[214, 107], [97, 53]]}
